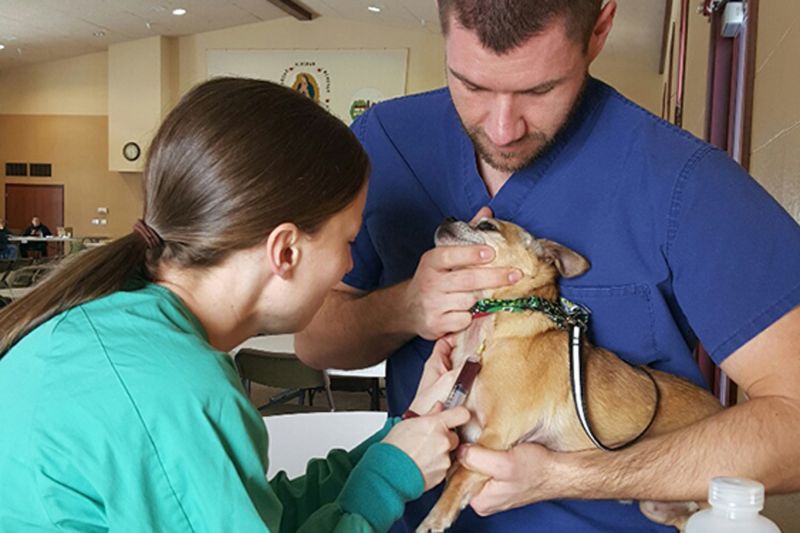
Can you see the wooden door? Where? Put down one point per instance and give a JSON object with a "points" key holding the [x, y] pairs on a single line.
{"points": [[23, 202]]}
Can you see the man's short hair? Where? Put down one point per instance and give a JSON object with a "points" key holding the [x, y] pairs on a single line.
{"points": [[503, 25]]}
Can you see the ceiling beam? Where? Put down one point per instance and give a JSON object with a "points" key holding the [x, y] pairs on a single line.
{"points": [[295, 9]]}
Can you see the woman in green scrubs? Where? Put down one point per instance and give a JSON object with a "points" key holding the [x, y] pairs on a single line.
{"points": [[120, 409]]}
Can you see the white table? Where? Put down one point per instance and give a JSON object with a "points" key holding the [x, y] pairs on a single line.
{"points": [[24, 239], [296, 438], [21, 239]]}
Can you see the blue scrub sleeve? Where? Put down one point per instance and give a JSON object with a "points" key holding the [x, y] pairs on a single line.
{"points": [[732, 277], [367, 266]]}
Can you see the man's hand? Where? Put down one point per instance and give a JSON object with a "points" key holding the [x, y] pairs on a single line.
{"points": [[448, 281], [525, 474]]}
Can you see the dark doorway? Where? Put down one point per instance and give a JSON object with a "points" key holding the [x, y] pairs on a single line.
{"points": [[23, 202]]}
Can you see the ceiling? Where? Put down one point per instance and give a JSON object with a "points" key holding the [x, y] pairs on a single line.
{"points": [[43, 30]]}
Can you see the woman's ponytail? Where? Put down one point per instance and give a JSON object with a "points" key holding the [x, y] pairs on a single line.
{"points": [[95, 273]]}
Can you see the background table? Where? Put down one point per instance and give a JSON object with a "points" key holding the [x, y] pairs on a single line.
{"points": [[296, 438], [285, 344], [18, 239]]}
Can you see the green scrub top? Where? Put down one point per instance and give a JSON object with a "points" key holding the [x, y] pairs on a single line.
{"points": [[117, 415]]}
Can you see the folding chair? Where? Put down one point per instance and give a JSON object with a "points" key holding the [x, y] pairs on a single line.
{"points": [[283, 371], [27, 276], [6, 265]]}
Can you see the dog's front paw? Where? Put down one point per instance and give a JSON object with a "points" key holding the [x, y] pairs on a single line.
{"points": [[674, 514], [434, 524]]}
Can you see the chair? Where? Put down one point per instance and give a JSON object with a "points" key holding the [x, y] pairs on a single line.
{"points": [[283, 371], [356, 384], [27, 276], [6, 265]]}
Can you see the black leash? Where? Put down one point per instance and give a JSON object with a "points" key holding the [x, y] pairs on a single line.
{"points": [[578, 382]]}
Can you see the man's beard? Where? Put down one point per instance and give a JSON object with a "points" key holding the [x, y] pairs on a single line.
{"points": [[511, 161]]}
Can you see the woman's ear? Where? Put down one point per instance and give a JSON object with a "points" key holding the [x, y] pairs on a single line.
{"points": [[282, 250]]}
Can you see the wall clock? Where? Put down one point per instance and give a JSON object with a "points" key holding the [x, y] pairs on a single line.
{"points": [[131, 151]]}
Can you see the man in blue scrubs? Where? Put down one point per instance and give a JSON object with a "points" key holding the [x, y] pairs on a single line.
{"points": [[684, 245]]}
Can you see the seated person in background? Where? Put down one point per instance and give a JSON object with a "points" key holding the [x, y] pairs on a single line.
{"points": [[36, 229], [7, 251], [153, 431]]}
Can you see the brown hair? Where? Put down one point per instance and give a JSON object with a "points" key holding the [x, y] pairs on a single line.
{"points": [[234, 159], [503, 25]]}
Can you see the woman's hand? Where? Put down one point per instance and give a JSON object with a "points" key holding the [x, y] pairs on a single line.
{"points": [[428, 441], [438, 378]]}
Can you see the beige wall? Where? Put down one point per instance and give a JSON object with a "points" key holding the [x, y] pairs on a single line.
{"points": [[76, 147], [76, 86], [775, 154], [139, 86], [642, 85], [694, 99]]}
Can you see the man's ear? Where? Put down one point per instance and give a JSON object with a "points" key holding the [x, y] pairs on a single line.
{"points": [[282, 250], [568, 262], [602, 28]]}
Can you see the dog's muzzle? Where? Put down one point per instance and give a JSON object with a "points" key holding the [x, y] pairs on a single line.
{"points": [[454, 232]]}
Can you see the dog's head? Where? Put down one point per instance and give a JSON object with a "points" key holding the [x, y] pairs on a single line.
{"points": [[541, 261]]}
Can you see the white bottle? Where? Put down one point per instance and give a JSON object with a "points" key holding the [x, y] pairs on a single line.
{"points": [[735, 505]]}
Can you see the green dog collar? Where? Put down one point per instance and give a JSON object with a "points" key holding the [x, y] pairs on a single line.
{"points": [[563, 313]]}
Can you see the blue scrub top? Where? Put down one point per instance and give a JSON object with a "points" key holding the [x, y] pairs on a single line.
{"points": [[683, 245]]}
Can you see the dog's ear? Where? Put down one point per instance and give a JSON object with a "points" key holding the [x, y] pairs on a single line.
{"points": [[568, 262]]}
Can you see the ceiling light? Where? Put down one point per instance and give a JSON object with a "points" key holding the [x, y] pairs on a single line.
{"points": [[2, 46], [99, 34], [374, 9], [179, 12]]}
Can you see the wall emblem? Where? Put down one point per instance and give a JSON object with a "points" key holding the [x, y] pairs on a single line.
{"points": [[309, 79]]}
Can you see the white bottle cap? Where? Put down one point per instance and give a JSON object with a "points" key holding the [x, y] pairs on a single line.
{"points": [[736, 493]]}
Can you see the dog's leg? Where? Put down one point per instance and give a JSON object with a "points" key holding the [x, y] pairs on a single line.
{"points": [[674, 514], [460, 489]]}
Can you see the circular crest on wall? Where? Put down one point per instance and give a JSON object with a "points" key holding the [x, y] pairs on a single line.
{"points": [[309, 79]]}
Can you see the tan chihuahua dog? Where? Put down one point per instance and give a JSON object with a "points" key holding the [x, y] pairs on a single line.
{"points": [[523, 391]]}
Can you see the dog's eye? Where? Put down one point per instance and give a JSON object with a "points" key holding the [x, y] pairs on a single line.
{"points": [[485, 225]]}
